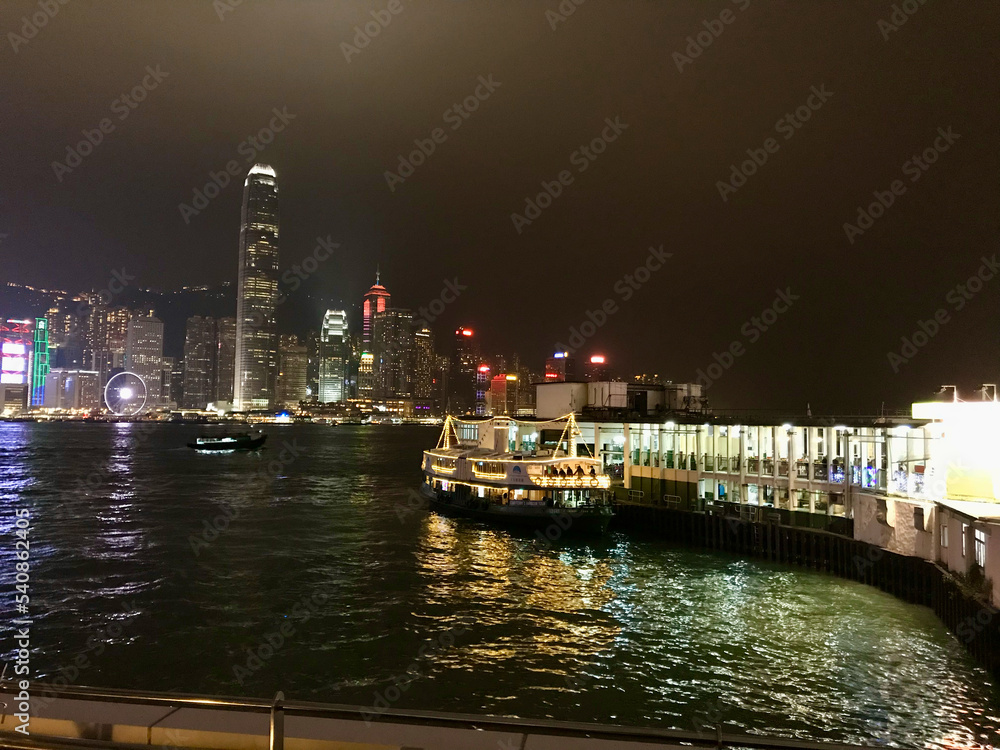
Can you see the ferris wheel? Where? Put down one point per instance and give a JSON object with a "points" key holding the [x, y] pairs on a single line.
{"points": [[125, 394]]}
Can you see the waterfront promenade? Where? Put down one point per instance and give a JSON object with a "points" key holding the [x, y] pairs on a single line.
{"points": [[119, 720]]}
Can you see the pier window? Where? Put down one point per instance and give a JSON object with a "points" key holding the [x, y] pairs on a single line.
{"points": [[981, 548], [965, 533], [944, 536]]}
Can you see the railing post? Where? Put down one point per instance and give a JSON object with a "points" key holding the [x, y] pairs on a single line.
{"points": [[278, 722]]}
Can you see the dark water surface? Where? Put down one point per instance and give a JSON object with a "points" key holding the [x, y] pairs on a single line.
{"points": [[132, 578]]}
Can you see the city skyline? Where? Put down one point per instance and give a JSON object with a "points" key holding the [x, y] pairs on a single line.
{"points": [[451, 218]]}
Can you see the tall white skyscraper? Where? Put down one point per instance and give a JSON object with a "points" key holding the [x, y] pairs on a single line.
{"points": [[332, 356], [144, 355], [257, 293]]}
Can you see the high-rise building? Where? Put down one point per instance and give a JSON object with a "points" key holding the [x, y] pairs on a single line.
{"points": [[65, 339], [501, 399], [176, 386], [293, 363], [597, 368], [39, 362], [462, 380], [107, 340], [225, 359], [424, 364], [560, 367], [392, 337], [200, 356], [366, 376], [482, 388], [376, 300], [257, 293], [16, 343], [333, 347], [72, 389], [442, 372], [168, 397], [312, 370], [144, 355]]}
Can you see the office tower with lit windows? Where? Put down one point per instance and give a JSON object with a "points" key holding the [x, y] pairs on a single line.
{"points": [[392, 336], [502, 398], [366, 376], [442, 373], [597, 368], [560, 367], [39, 362], [78, 390], [257, 293], [107, 340], [376, 300], [462, 378], [16, 344], [424, 364], [333, 348], [144, 355], [168, 396], [482, 388], [175, 386], [312, 369], [200, 355], [225, 359], [293, 363]]}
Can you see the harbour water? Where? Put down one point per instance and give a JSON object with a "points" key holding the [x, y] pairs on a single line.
{"points": [[307, 568]]}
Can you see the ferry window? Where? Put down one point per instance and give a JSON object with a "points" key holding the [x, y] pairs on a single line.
{"points": [[965, 533], [980, 548], [944, 536]]}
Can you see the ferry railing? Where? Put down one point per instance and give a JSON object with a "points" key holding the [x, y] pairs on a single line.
{"points": [[705, 735]]}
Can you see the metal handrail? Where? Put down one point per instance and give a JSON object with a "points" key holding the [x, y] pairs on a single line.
{"points": [[430, 718]]}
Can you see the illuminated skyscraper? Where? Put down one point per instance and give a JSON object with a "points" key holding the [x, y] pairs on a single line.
{"points": [[392, 337], [293, 362], [39, 362], [16, 343], [199, 363], [332, 356], [376, 300], [257, 293], [109, 331], [423, 364], [144, 355], [366, 376], [462, 381], [225, 359]]}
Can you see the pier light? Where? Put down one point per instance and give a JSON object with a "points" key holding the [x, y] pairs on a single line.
{"points": [[840, 428], [786, 427], [669, 425]]}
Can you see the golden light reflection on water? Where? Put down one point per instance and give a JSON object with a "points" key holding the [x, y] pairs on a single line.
{"points": [[493, 573]]}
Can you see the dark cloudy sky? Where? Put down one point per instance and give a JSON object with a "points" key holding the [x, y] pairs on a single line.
{"points": [[656, 184]]}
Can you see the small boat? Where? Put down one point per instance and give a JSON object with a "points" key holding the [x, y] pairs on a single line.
{"points": [[498, 472], [243, 441]]}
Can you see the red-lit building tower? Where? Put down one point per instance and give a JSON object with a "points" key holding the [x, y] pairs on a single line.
{"points": [[376, 301]]}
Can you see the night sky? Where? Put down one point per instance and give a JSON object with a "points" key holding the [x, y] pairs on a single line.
{"points": [[884, 93]]}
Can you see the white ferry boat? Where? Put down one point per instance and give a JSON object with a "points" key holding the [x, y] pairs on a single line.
{"points": [[498, 471]]}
